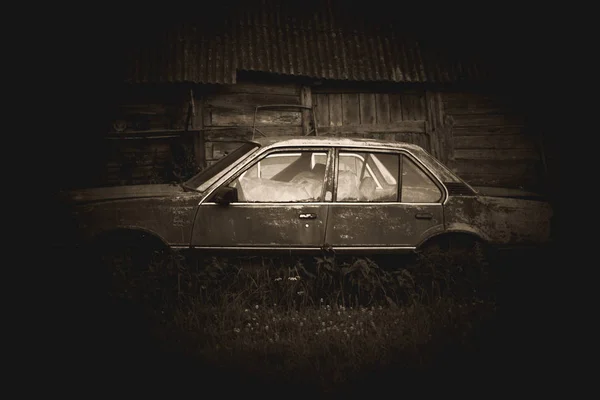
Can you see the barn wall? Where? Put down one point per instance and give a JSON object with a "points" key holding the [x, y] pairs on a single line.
{"points": [[365, 113], [492, 143], [145, 146], [483, 137], [228, 114]]}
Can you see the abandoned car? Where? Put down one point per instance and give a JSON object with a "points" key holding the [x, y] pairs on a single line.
{"points": [[310, 195]]}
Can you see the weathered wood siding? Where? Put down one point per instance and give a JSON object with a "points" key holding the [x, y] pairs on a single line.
{"points": [[359, 113], [140, 160], [492, 144], [482, 137], [136, 161], [228, 113]]}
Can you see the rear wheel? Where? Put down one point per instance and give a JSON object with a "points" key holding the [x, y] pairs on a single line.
{"points": [[458, 265]]}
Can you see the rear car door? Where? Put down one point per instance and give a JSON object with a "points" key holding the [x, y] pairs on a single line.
{"points": [[384, 201], [281, 205]]}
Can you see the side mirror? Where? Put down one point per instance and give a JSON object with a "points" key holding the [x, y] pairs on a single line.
{"points": [[225, 195]]}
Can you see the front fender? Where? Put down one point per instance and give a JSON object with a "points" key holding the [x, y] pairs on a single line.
{"points": [[169, 219]]}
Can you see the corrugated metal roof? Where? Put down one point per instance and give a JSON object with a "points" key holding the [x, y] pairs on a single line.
{"points": [[326, 43]]}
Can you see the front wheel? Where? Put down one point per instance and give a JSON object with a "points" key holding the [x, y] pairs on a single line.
{"points": [[136, 269]]}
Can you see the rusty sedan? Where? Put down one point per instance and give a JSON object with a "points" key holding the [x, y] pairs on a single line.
{"points": [[312, 195]]}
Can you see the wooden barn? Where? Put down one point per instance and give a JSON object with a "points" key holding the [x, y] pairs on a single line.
{"points": [[186, 93]]}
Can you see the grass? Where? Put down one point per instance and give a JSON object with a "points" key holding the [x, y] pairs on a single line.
{"points": [[328, 324]]}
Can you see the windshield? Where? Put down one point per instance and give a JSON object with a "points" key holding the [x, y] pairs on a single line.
{"points": [[207, 176]]}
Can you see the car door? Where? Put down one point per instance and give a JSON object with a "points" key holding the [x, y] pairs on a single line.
{"points": [[383, 201], [282, 205]]}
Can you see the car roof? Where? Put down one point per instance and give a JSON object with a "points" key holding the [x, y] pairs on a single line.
{"points": [[440, 170], [334, 141]]}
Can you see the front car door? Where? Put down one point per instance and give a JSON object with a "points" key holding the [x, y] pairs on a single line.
{"points": [[384, 201], [283, 196]]}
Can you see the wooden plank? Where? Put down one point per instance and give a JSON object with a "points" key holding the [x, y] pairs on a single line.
{"points": [[367, 108], [408, 106], [289, 89], [137, 172], [246, 132], [471, 103], [487, 130], [474, 110], [494, 142], [414, 138], [225, 117], [350, 108], [364, 87], [221, 149], [306, 100], [530, 182], [382, 108], [495, 167], [487, 120], [395, 107], [206, 115], [139, 152], [389, 136], [413, 106], [493, 154], [454, 95], [147, 164], [136, 168], [198, 142], [322, 109], [434, 124], [250, 99], [477, 104], [398, 127], [208, 152], [335, 110], [422, 110], [407, 137], [445, 141]]}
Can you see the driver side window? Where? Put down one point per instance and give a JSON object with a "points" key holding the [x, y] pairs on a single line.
{"points": [[283, 177]]}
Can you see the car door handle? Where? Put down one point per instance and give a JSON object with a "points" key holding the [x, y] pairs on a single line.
{"points": [[424, 216], [307, 216]]}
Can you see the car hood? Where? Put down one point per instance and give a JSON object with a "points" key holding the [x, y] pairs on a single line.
{"points": [[119, 192], [490, 191]]}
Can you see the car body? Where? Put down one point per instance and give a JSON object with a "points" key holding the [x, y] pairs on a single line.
{"points": [[314, 194]]}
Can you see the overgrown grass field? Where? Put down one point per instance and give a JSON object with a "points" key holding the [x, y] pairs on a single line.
{"points": [[320, 324]]}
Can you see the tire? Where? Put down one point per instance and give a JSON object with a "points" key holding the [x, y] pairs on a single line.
{"points": [[457, 265], [130, 261]]}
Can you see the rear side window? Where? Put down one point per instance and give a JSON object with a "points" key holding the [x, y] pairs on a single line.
{"points": [[383, 177], [367, 177], [417, 186]]}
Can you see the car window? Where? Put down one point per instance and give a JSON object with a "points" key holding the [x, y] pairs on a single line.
{"points": [[366, 176], [417, 187], [271, 165], [209, 175], [283, 177]]}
